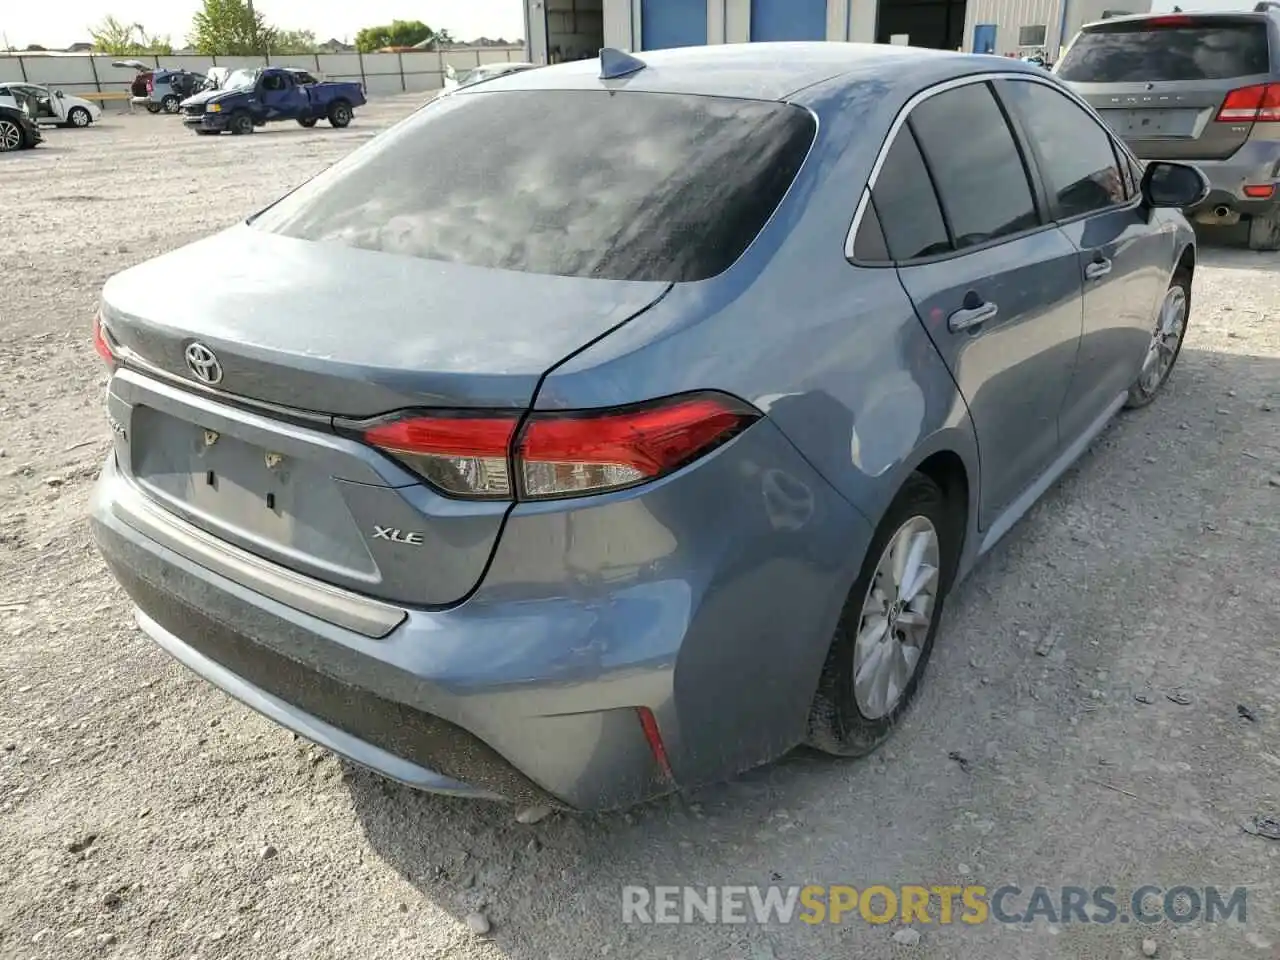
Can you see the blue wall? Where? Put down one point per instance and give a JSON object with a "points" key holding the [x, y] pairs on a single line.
{"points": [[788, 19], [672, 23]]}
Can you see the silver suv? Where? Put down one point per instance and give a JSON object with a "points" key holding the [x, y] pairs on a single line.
{"points": [[1201, 87]]}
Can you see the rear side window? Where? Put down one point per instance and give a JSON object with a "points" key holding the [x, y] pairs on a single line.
{"points": [[905, 207], [1137, 52], [580, 183], [1079, 161], [976, 165]]}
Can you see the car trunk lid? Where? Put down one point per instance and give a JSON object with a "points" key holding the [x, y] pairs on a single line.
{"points": [[1160, 82], [301, 333]]}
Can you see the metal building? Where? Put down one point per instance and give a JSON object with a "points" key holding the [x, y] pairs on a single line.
{"points": [[560, 30]]}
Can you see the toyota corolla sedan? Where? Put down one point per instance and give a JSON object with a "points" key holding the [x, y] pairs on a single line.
{"points": [[646, 443]]}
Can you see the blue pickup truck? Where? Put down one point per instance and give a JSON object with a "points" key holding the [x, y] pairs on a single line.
{"points": [[252, 98]]}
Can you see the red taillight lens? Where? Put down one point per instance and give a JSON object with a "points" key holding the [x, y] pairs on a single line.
{"points": [[577, 453], [559, 454], [101, 344], [1259, 103], [151, 83], [463, 456], [1173, 20]]}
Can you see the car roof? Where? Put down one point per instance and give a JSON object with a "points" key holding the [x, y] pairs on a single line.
{"points": [[761, 71]]}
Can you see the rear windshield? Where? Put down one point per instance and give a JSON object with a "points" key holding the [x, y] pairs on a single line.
{"points": [[1137, 52], [577, 183]]}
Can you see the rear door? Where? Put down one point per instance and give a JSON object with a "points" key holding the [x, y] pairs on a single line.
{"points": [[1124, 257], [1160, 82], [996, 286]]}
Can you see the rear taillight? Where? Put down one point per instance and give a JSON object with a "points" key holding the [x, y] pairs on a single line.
{"points": [[1258, 103], [151, 83], [101, 343], [558, 454], [463, 456]]}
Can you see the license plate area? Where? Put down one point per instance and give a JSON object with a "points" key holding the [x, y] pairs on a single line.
{"points": [[1151, 124], [265, 500]]}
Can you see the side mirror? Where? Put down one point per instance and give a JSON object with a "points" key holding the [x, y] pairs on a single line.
{"points": [[1167, 184], [61, 95]]}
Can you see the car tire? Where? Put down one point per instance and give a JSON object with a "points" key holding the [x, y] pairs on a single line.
{"points": [[340, 114], [170, 103], [1264, 232], [79, 117], [153, 108], [307, 122], [1168, 333], [240, 123], [12, 136], [851, 715]]}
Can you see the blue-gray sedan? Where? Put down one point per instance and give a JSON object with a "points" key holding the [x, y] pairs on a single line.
{"points": [[611, 428]]}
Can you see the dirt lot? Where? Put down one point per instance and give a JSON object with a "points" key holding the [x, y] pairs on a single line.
{"points": [[145, 815]]}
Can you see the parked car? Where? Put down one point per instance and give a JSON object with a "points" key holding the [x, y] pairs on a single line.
{"points": [[252, 98], [17, 130], [488, 71], [55, 106], [693, 479], [1201, 87], [159, 89]]}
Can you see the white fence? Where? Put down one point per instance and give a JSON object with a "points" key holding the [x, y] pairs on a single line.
{"points": [[381, 73]]}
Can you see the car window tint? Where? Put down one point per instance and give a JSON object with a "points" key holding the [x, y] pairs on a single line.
{"points": [[1141, 52], [906, 205], [1079, 161], [622, 185], [869, 244], [975, 163]]}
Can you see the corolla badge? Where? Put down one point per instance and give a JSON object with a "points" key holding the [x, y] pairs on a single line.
{"points": [[203, 364]]}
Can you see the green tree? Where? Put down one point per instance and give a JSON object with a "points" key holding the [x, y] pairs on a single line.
{"points": [[230, 28], [293, 41], [397, 33], [127, 39]]}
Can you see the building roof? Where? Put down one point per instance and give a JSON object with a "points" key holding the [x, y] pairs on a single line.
{"points": [[761, 71]]}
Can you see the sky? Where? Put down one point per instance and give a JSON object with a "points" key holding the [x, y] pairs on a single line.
{"points": [[26, 23]]}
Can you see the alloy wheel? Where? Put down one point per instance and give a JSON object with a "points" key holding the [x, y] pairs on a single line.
{"points": [[896, 618], [79, 118], [1171, 324], [10, 135]]}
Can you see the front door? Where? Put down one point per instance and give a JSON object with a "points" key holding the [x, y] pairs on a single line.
{"points": [[1122, 261], [996, 286], [281, 99]]}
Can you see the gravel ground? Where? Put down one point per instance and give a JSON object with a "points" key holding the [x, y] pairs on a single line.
{"points": [[143, 814]]}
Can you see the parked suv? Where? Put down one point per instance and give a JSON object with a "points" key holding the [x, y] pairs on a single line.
{"points": [[159, 89], [1202, 87]]}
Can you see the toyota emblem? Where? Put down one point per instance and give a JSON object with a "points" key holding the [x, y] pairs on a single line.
{"points": [[202, 363]]}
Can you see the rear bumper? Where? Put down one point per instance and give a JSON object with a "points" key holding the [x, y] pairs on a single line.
{"points": [[528, 691], [1256, 163]]}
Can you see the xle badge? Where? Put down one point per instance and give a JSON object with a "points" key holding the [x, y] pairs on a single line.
{"points": [[395, 535]]}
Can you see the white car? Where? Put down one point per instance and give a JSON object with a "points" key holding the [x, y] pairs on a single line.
{"points": [[53, 106], [488, 71]]}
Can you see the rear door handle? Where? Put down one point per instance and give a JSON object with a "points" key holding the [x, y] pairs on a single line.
{"points": [[1098, 269], [968, 317]]}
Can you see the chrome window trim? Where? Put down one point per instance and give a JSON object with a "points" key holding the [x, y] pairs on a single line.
{"points": [[954, 83]]}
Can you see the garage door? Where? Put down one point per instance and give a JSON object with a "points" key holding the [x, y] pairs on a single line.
{"points": [[788, 19], [672, 23]]}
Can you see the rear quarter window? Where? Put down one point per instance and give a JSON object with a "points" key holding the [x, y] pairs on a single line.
{"points": [[582, 183], [1137, 52]]}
